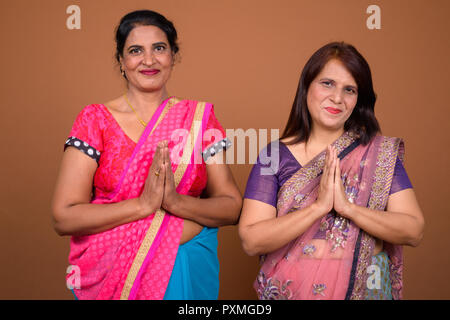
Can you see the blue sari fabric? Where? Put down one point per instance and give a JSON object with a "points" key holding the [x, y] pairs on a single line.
{"points": [[195, 274], [379, 283]]}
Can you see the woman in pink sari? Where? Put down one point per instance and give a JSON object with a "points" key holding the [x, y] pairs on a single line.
{"points": [[131, 178], [331, 221]]}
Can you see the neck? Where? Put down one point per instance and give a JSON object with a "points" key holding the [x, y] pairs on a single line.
{"points": [[324, 137], [146, 102]]}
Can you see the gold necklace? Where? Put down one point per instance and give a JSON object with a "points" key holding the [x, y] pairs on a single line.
{"points": [[137, 115]]}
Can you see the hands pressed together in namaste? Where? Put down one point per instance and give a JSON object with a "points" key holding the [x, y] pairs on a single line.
{"points": [[331, 189], [159, 189]]}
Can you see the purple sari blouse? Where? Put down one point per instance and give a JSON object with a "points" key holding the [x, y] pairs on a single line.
{"points": [[265, 187]]}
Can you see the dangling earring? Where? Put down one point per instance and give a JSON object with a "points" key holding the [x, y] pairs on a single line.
{"points": [[122, 72]]}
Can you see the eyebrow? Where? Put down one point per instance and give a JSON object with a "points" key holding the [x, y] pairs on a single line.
{"points": [[134, 46], [159, 43], [349, 85], [153, 45]]}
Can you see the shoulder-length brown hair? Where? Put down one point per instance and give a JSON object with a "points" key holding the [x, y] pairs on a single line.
{"points": [[362, 121]]}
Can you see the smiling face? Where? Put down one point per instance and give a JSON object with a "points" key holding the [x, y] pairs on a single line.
{"points": [[147, 58], [332, 96]]}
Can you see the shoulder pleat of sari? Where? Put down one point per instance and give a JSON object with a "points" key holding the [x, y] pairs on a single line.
{"points": [[385, 150]]}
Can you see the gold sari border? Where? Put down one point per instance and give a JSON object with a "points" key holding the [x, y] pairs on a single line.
{"points": [[142, 253]]}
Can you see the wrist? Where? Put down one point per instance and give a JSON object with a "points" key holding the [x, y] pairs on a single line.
{"points": [[319, 210], [172, 203], [347, 210], [144, 208]]}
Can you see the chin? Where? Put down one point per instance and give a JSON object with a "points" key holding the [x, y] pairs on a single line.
{"points": [[332, 125], [152, 88]]}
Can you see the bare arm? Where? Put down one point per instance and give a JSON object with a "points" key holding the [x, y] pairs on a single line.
{"points": [[222, 205], [72, 212], [402, 223], [262, 232]]}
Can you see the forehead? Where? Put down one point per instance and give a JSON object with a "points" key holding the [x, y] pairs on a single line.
{"points": [[336, 70], [146, 35]]}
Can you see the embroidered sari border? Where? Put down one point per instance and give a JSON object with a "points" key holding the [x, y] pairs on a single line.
{"points": [[383, 175], [384, 172], [354, 265], [349, 149]]}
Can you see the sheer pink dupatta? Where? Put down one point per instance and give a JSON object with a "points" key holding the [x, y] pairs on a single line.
{"points": [[330, 260], [135, 260]]}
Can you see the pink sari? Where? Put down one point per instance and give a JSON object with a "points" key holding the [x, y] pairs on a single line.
{"points": [[331, 259], [135, 260]]}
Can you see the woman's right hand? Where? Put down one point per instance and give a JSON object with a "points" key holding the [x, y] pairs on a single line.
{"points": [[325, 198], [152, 195]]}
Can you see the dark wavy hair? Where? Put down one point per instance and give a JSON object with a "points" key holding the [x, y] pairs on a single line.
{"points": [[144, 18], [362, 121]]}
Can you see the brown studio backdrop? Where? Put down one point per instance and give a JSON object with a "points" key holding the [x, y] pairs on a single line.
{"points": [[246, 58]]}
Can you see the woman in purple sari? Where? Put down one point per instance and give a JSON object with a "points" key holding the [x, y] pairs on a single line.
{"points": [[331, 221]]}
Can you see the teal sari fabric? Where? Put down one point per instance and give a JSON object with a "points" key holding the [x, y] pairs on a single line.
{"points": [[195, 274], [380, 286]]}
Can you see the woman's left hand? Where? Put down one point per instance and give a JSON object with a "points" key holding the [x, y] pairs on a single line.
{"points": [[171, 195], [341, 204]]}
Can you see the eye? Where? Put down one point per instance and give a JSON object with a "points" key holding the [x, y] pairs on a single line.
{"points": [[351, 90], [135, 50], [326, 83], [160, 48]]}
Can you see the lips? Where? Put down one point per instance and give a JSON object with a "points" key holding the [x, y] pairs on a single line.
{"points": [[333, 110], [149, 72]]}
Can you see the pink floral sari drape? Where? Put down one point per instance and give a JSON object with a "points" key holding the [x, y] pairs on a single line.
{"points": [[135, 260], [331, 259]]}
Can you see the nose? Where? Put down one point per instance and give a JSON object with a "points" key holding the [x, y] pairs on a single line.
{"points": [[336, 96], [148, 58]]}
